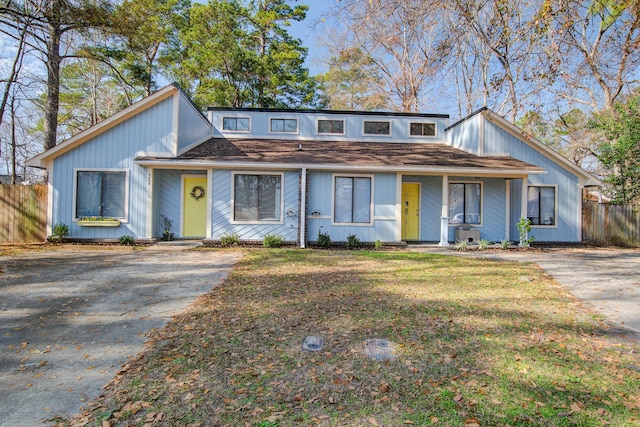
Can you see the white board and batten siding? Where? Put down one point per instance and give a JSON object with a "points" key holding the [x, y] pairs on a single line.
{"points": [[148, 131]]}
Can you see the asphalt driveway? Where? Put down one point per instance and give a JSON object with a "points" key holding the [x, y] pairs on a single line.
{"points": [[605, 280], [69, 320]]}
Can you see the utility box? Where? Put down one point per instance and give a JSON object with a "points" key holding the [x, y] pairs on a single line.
{"points": [[467, 235]]}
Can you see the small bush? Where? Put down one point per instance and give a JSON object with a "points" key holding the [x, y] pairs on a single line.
{"points": [[353, 241], [272, 241], [60, 231], [504, 243], [229, 240], [377, 244], [462, 245], [524, 227], [324, 240], [483, 244], [127, 240]]}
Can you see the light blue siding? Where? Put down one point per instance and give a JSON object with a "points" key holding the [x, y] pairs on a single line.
{"points": [[222, 215], [192, 126], [307, 126], [568, 227], [148, 131], [384, 200], [466, 136], [430, 205]]}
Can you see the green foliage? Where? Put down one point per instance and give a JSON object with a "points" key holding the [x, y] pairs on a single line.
{"points": [[60, 231], [524, 227], [462, 245], [166, 223], [377, 244], [272, 241], [229, 239], [619, 152], [353, 241], [127, 240], [240, 54], [324, 240], [504, 244], [483, 244]]}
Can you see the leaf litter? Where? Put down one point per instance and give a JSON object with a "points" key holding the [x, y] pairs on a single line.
{"points": [[473, 346]]}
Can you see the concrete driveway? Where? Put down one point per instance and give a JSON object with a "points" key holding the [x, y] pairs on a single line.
{"points": [[606, 280], [70, 318]]}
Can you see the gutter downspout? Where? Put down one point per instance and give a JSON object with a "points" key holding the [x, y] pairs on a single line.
{"points": [[303, 208]]}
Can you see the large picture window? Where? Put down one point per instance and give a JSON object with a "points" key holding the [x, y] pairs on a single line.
{"points": [[541, 205], [352, 203], [464, 203], [257, 197], [101, 194]]}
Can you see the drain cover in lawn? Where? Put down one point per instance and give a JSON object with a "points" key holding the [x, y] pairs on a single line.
{"points": [[312, 343], [379, 349]]}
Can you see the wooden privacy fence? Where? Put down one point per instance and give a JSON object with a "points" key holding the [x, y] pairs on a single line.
{"points": [[23, 213], [604, 224]]}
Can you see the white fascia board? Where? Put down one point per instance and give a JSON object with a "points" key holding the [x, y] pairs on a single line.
{"points": [[40, 160], [585, 178], [205, 164]]}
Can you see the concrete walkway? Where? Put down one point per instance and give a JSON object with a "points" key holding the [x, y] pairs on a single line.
{"points": [[70, 318], [606, 280]]}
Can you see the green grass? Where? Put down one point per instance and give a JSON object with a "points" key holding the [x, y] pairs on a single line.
{"points": [[475, 343]]}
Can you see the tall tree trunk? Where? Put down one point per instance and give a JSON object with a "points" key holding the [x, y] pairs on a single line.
{"points": [[53, 87]]}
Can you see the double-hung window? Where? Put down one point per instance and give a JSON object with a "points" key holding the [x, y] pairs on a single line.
{"points": [[257, 197], [465, 203], [236, 124], [541, 205], [284, 125], [352, 199], [101, 194]]}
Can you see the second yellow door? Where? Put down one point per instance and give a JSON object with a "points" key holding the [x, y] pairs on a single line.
{"points": [[194, 214], [410, 211]]}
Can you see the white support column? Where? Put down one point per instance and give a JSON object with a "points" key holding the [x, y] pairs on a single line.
{"points": [[209, 232], [398, 207], [303, 208], [524, 198], [444, 216], [507, 198], [148, 232]]}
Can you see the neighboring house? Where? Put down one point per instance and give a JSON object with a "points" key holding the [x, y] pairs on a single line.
{"points": [[296, 173]]}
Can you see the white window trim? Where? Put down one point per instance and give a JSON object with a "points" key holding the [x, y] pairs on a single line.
{"points": [[462, 224], [233, 201], [124, 220], [344, 126], [333, 200], [388, 135], [234, 131], [434, 136], [555, 204], [284, 132]]}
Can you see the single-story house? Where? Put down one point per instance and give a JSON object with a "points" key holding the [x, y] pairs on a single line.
{"points": [[381, 176]]}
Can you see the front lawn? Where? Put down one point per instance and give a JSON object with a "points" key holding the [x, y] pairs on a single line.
{"points": [[477, 343]]}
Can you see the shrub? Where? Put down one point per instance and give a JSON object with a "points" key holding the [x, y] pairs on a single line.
{"points": [[229, 239], [60, 231], [324, 240], [353, 241], [377, 244], [462, 245], [483, 244], [524, 227], [272, 241], [127, 240], [504, 243]]}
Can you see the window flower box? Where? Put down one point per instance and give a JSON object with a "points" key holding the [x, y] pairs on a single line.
{"points": [[98, 222]]}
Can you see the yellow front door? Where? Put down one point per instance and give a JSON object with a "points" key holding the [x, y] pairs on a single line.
{"points": [[194, 206], [410, 211]]}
